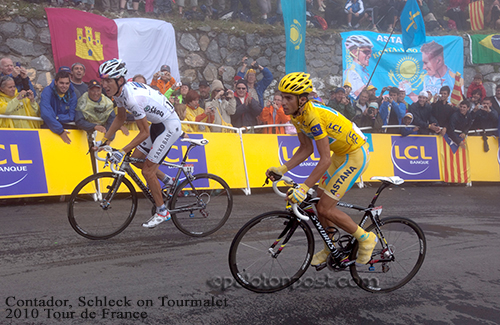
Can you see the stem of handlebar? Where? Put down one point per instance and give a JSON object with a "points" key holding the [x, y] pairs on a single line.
{"points": [[108, 150], [295, 207]]}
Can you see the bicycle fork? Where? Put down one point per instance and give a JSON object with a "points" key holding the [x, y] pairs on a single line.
{"points": [[289, 230]]}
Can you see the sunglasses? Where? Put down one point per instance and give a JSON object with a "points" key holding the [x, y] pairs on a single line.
{"points": [[367, 52], [242, 88]]}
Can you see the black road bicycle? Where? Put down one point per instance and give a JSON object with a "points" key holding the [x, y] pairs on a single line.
{"points": [[273, 250], [103, 205]]}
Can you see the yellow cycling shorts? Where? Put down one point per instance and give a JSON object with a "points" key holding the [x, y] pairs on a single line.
{"points": [[344, 171]]}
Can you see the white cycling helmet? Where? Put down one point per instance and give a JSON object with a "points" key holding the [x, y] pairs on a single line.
{"points": [[113, 69], [358, 41]]}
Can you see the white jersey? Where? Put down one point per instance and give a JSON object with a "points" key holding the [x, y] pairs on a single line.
{"points": [[143, 101]]}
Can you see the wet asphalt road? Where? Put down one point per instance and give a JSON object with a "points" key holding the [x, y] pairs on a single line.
{"points": [[42, 258]]}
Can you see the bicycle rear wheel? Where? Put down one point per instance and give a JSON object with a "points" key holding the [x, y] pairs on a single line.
{"points": [[407, 242], [260, 258], [102, 206], [202, 205]]}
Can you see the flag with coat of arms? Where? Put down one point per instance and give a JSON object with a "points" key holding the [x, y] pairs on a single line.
{"points": [[143, 44]]}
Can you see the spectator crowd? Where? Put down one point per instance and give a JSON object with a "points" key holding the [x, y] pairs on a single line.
{"points": [[69, 103], [378, 15]]}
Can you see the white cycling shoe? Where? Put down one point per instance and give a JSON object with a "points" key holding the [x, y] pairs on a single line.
{"points": [[156, 220]]}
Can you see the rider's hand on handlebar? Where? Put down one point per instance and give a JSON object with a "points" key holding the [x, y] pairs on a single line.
{"points": [[276, 170], [116, 157], [298, 194]]}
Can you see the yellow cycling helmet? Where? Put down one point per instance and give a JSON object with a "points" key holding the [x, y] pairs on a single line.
{"points": [[296, 83]]}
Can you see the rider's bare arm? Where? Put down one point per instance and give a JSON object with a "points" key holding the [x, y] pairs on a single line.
{"points": [[120, 118], [143, 126]]}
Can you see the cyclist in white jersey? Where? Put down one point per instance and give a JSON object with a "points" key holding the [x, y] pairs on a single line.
{"points": [[153, 142]]}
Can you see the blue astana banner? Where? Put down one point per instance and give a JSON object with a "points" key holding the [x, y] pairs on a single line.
{"points": [[427, 67]]}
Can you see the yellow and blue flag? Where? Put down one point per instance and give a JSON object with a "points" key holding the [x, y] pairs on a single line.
{"points": [[294, 19], [412, 25]]}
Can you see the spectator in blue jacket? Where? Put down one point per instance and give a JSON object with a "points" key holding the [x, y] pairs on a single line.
{"points": [[391, 111], [256, 88], [58, 104]]}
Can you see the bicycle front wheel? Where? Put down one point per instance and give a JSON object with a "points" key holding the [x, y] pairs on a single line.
{"points": [[271, 252], [395, 262], [102, 206], [200, 206]]}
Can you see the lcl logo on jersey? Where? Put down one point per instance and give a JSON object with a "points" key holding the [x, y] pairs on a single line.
{"points": [[21, 163], [287, 147], [415, 158], [197, 157]]}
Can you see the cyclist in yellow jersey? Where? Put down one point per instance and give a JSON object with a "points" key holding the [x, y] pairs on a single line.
{"points": [[336, 174]]}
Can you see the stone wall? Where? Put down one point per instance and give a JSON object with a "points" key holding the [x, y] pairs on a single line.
{"points": [[201, 52]]}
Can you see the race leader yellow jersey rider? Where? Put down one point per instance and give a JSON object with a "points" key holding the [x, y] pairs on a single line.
{"points": [[318, 121], [337, 173]]}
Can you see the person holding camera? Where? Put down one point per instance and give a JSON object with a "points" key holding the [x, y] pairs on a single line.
{"points": [[441, 109], [273, 113], [342, 104], [222, 105], [163, 79], [391, 111], [369, 118], [13, 102], [483, 116], [18, 73], [194, 113], [255, 88]]}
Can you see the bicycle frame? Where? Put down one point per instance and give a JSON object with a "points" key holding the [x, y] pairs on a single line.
{"points": [[125, 168], [370, 212]]}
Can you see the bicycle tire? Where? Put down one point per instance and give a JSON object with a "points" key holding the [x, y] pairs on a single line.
{"points": [[86, 211], [250, 259], [212, 206], [407, 240]]}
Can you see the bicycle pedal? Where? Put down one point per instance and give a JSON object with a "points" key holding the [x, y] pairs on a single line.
{"points": [[320, 267]]}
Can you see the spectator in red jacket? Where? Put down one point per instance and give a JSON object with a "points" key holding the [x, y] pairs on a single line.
{"points": [[477, 83]]}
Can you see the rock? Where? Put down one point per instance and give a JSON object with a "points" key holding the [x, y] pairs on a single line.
{"points": [[484, 69], [236, 43], [29, 32], [194, 60], [25, 48], [189, 75], [40, 22], [228, 75], [253, 51], [213, 52], [223, 40], [42, 63], [205, 28], [10, 29], [44, 35], [44, 79], [204, 40], [189, 42], [210, 73]]}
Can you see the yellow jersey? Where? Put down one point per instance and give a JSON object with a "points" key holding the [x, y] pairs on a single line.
{"points": [[318, 121]]}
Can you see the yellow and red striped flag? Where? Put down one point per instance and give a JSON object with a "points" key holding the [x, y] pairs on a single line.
{"points": [[455, 162], [476, 11], [456, 94]]}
